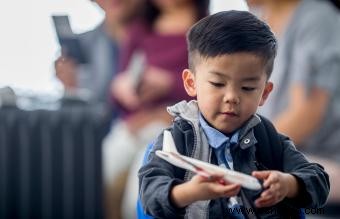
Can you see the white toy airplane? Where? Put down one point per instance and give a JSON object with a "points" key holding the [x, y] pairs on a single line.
{"points": [[170, 154]]}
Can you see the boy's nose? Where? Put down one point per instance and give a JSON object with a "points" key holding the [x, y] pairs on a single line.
{"points": [[231, 98]]}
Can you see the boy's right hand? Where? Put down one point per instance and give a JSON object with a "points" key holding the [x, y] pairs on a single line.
{"points": [[202, 188]]}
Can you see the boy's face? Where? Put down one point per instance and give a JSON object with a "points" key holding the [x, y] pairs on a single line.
{"points": [[228, 88]]}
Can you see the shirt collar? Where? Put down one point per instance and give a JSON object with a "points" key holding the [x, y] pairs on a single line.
{"points": [[216, 138]]}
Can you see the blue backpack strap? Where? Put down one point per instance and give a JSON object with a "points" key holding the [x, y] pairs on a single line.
{"points": [[140, 212], [302, 214], [147, 152]]}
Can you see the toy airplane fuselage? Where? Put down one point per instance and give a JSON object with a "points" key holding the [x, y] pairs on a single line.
{"points": [[171, 155]]}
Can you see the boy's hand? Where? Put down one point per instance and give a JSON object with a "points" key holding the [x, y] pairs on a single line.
{"points": [[277, 186], [202, 188]]}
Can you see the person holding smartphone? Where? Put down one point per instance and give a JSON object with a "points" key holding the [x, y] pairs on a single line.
{"points": [[100, 46]]}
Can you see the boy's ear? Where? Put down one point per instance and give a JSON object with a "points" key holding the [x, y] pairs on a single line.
{"points": [[267, 89], [189, 82]]}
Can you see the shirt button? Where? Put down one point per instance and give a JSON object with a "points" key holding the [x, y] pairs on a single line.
{"points": [[246, 141]]}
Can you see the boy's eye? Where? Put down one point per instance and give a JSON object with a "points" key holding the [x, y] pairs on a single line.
{"points": [[248, 88], [216, 84]]}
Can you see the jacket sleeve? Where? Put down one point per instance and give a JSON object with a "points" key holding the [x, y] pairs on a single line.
{"points": [[313, 180], [156, 179]]}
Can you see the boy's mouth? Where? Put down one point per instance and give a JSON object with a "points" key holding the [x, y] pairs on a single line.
{"points": [[232, 114]]}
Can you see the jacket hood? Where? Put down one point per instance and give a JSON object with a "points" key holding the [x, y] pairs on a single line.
{"points": [[185, 110]]}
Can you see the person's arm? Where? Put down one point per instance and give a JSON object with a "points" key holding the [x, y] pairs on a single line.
{"points": [[122, 89], [156, 178], [314, 69], [304, 113], [333, 169]]}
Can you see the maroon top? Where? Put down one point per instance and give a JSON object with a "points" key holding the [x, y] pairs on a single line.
{"points": [[168, 52]]}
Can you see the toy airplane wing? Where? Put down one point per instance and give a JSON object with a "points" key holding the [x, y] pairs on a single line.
{"points": [[171, 155]]}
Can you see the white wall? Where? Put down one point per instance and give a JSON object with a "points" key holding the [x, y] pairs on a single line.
{"points": [[220, 5]]}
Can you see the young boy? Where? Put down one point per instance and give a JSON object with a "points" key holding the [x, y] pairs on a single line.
{"points": [[231, 57]]}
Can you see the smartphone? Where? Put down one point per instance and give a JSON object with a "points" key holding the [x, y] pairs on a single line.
{"points": [[69, 42], [136, 68]]}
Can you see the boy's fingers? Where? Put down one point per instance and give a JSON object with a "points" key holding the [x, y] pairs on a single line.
{"points": [[266, 195], [270, 180], [204, 176], [217, 176], [233, 192], [261, 174], [264, 200], [230, 194], [264, 203], [224, 189], [231, 189]]}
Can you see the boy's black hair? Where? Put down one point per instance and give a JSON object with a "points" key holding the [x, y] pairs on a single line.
{"points": [[336, 3], [229, 32]]}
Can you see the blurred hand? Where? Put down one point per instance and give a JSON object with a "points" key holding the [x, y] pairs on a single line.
{"points": [[66, 72], [138, 120], [277, 186], [202, 188], [124, 92], [156, 83]]}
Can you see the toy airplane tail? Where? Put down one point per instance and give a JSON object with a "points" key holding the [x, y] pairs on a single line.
{"points": [[168, 142]]}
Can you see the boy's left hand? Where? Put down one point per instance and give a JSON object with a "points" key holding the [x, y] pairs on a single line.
{"points": [[277, 185]]}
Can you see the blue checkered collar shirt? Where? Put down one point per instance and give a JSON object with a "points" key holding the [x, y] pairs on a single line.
{"points": [[220, 143]]}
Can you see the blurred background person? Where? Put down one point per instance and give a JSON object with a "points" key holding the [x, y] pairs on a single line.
{"points": [[158, 41], [50, 152], [101, 48], [50, 161], [305, 104]]}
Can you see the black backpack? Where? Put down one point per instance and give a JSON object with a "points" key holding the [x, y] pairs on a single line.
{"points": [[267, 156]]}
